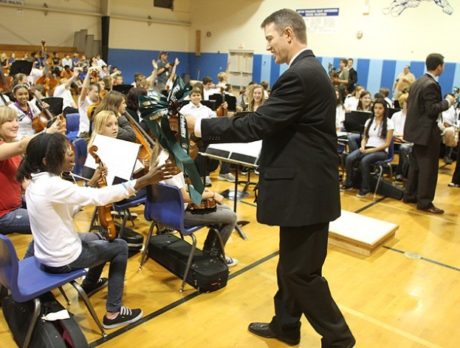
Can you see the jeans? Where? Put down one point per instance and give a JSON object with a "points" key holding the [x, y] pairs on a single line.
{"points": [[95, 253], [365, 162], [224, 218], [17, 221]]}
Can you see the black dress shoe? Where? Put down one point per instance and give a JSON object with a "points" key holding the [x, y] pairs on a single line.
{"points": [[264, 330], [432, 209], [409, 200]]}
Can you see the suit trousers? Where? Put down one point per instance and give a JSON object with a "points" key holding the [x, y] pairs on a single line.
{"points": [[303, 290], [423, 174]]}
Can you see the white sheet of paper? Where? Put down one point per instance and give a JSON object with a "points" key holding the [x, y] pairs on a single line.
{"points": [[119, 156]]}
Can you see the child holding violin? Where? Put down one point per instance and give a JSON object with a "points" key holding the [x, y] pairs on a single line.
{"points": [[28, 113], [51, 202]]}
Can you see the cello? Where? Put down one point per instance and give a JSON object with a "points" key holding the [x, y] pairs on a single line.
{"points": [[104, 212]]}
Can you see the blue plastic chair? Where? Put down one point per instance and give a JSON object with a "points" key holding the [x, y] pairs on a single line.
{"points": [[165, 206], [26, 280], [385, 163], [73, 125]]}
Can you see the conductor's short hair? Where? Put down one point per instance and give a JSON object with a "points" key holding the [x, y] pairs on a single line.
{"points": [[433, 60], [288, 18]]}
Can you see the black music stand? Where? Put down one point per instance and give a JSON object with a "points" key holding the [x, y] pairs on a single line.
{"points": [[240, 160]]}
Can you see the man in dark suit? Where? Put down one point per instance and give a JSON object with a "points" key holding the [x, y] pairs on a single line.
{"points": [[424, 105], [352, 76], [298, 182]]}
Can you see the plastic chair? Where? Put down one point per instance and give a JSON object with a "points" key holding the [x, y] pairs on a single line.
{"points": [[26, 280], [73, 124], [385, 163], [165, 206], [81, 152]]}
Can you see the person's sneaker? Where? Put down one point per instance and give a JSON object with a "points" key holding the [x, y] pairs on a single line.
{"points": [[91, 289], [231, 261], [207, 181], [229, 177], [362, 194], [125, 316], [345, 187], [452, 184]]}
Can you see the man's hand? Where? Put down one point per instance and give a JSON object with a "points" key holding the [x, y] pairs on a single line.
{"points": [[451, 100]]}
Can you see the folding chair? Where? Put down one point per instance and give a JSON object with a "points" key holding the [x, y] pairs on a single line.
{"points": [[382, 164]]}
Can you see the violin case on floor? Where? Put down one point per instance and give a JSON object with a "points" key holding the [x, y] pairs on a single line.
{"points": [[207, 273], [62, 333]]}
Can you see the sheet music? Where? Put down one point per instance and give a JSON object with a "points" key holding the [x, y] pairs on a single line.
{"points": [[119, 156], [240, 152]]}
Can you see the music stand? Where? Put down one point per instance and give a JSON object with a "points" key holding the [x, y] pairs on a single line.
{"points": [[21, 66], [124, 89], [355, 120], [219, 99], [243, 154]]}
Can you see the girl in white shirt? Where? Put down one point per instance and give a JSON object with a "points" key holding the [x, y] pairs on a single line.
{"points": [[51, 203], [26, 111], [377, 137]]}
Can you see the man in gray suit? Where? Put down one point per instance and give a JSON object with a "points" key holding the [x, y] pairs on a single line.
{"points": [[424, 106], [298, 182]]}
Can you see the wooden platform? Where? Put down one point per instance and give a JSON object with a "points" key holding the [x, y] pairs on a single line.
{"points": [[360, 234]]}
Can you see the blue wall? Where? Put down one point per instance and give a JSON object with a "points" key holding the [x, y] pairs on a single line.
{"points": [[372, 73]]}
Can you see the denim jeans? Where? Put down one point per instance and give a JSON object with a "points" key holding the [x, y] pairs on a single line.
{"points": [[17, 221], [224, 218], [95, 253], [365, 162]]}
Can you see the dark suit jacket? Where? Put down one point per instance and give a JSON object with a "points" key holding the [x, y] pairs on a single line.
{"points": [[298, 182], [424, 105], [352, 79]]}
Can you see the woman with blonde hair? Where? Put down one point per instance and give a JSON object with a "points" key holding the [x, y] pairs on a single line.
{"points": [[255, 97], [13, 216]]}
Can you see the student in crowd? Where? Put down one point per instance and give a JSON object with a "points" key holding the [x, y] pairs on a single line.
{"points": [[377, 137], [51, 202], [449, 119], [403, 82], [404, 148], [339, 112], [13, 214], [256, 97], [352, 99], [205, 166], [26, 111], [116, 102], [163, 70], [385, 92], [365, 101], [455, 182], [132, 102], [89, 95], [63, 90]]}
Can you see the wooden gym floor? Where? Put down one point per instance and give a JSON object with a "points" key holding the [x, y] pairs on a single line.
{"points": [[406, 294]]}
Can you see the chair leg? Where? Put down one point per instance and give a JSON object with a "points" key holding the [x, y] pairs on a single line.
{"points": [[380, 175], [88, 304], [145, 250], [61, 290], [33, 322], [130, 217], [189, 262]]}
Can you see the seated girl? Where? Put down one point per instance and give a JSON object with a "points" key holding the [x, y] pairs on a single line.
{"points": [[377, 137], [51, 202]]}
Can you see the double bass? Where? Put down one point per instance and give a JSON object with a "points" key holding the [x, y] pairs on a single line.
{"points": [[104, 212]]}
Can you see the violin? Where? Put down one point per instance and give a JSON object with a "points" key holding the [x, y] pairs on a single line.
{"points": [[221, 111], [104, 212], [46, 118], [207, 205], [142, 138]]}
